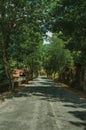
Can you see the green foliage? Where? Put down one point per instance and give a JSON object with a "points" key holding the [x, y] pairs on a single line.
{"points": [[21, 29], [56, 57], [70, 18], [23, 24]]}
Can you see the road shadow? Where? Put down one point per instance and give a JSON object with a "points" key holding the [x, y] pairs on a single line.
{"points": [[79, 124], [53, 92], [48, 91], [80, 115]]}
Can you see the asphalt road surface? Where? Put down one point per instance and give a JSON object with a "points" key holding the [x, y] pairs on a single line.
{"points": [[42, 105]]}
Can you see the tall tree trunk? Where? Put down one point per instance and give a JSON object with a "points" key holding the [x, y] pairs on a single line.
{"points": [[6, 62], [84, 81]]}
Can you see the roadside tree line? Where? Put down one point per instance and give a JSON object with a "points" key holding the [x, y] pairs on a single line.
{"points": [[23, 25], [67, 20], [21, 30]]}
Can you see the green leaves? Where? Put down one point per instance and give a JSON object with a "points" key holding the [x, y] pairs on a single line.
{"points": [[69, 18], [57, 58]]}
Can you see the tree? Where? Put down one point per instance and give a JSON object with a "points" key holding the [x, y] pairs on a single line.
{"points": [[68, 17], [57, 57], [13, 16]]}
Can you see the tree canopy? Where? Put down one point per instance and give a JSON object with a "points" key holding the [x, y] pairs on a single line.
{"points": [[23, 27]]}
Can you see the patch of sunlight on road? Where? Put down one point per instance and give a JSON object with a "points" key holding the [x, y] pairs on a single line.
{"points": [[36, 85]]}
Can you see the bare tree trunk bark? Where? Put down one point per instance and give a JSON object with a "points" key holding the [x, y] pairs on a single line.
{"points": [[5, 32], [84, 81], [6, 63]]}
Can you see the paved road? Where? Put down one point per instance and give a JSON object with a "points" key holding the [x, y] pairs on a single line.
{"points": [[42, 105]]}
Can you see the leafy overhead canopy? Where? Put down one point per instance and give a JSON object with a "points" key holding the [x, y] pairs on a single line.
{"points": [[69, 18]]}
